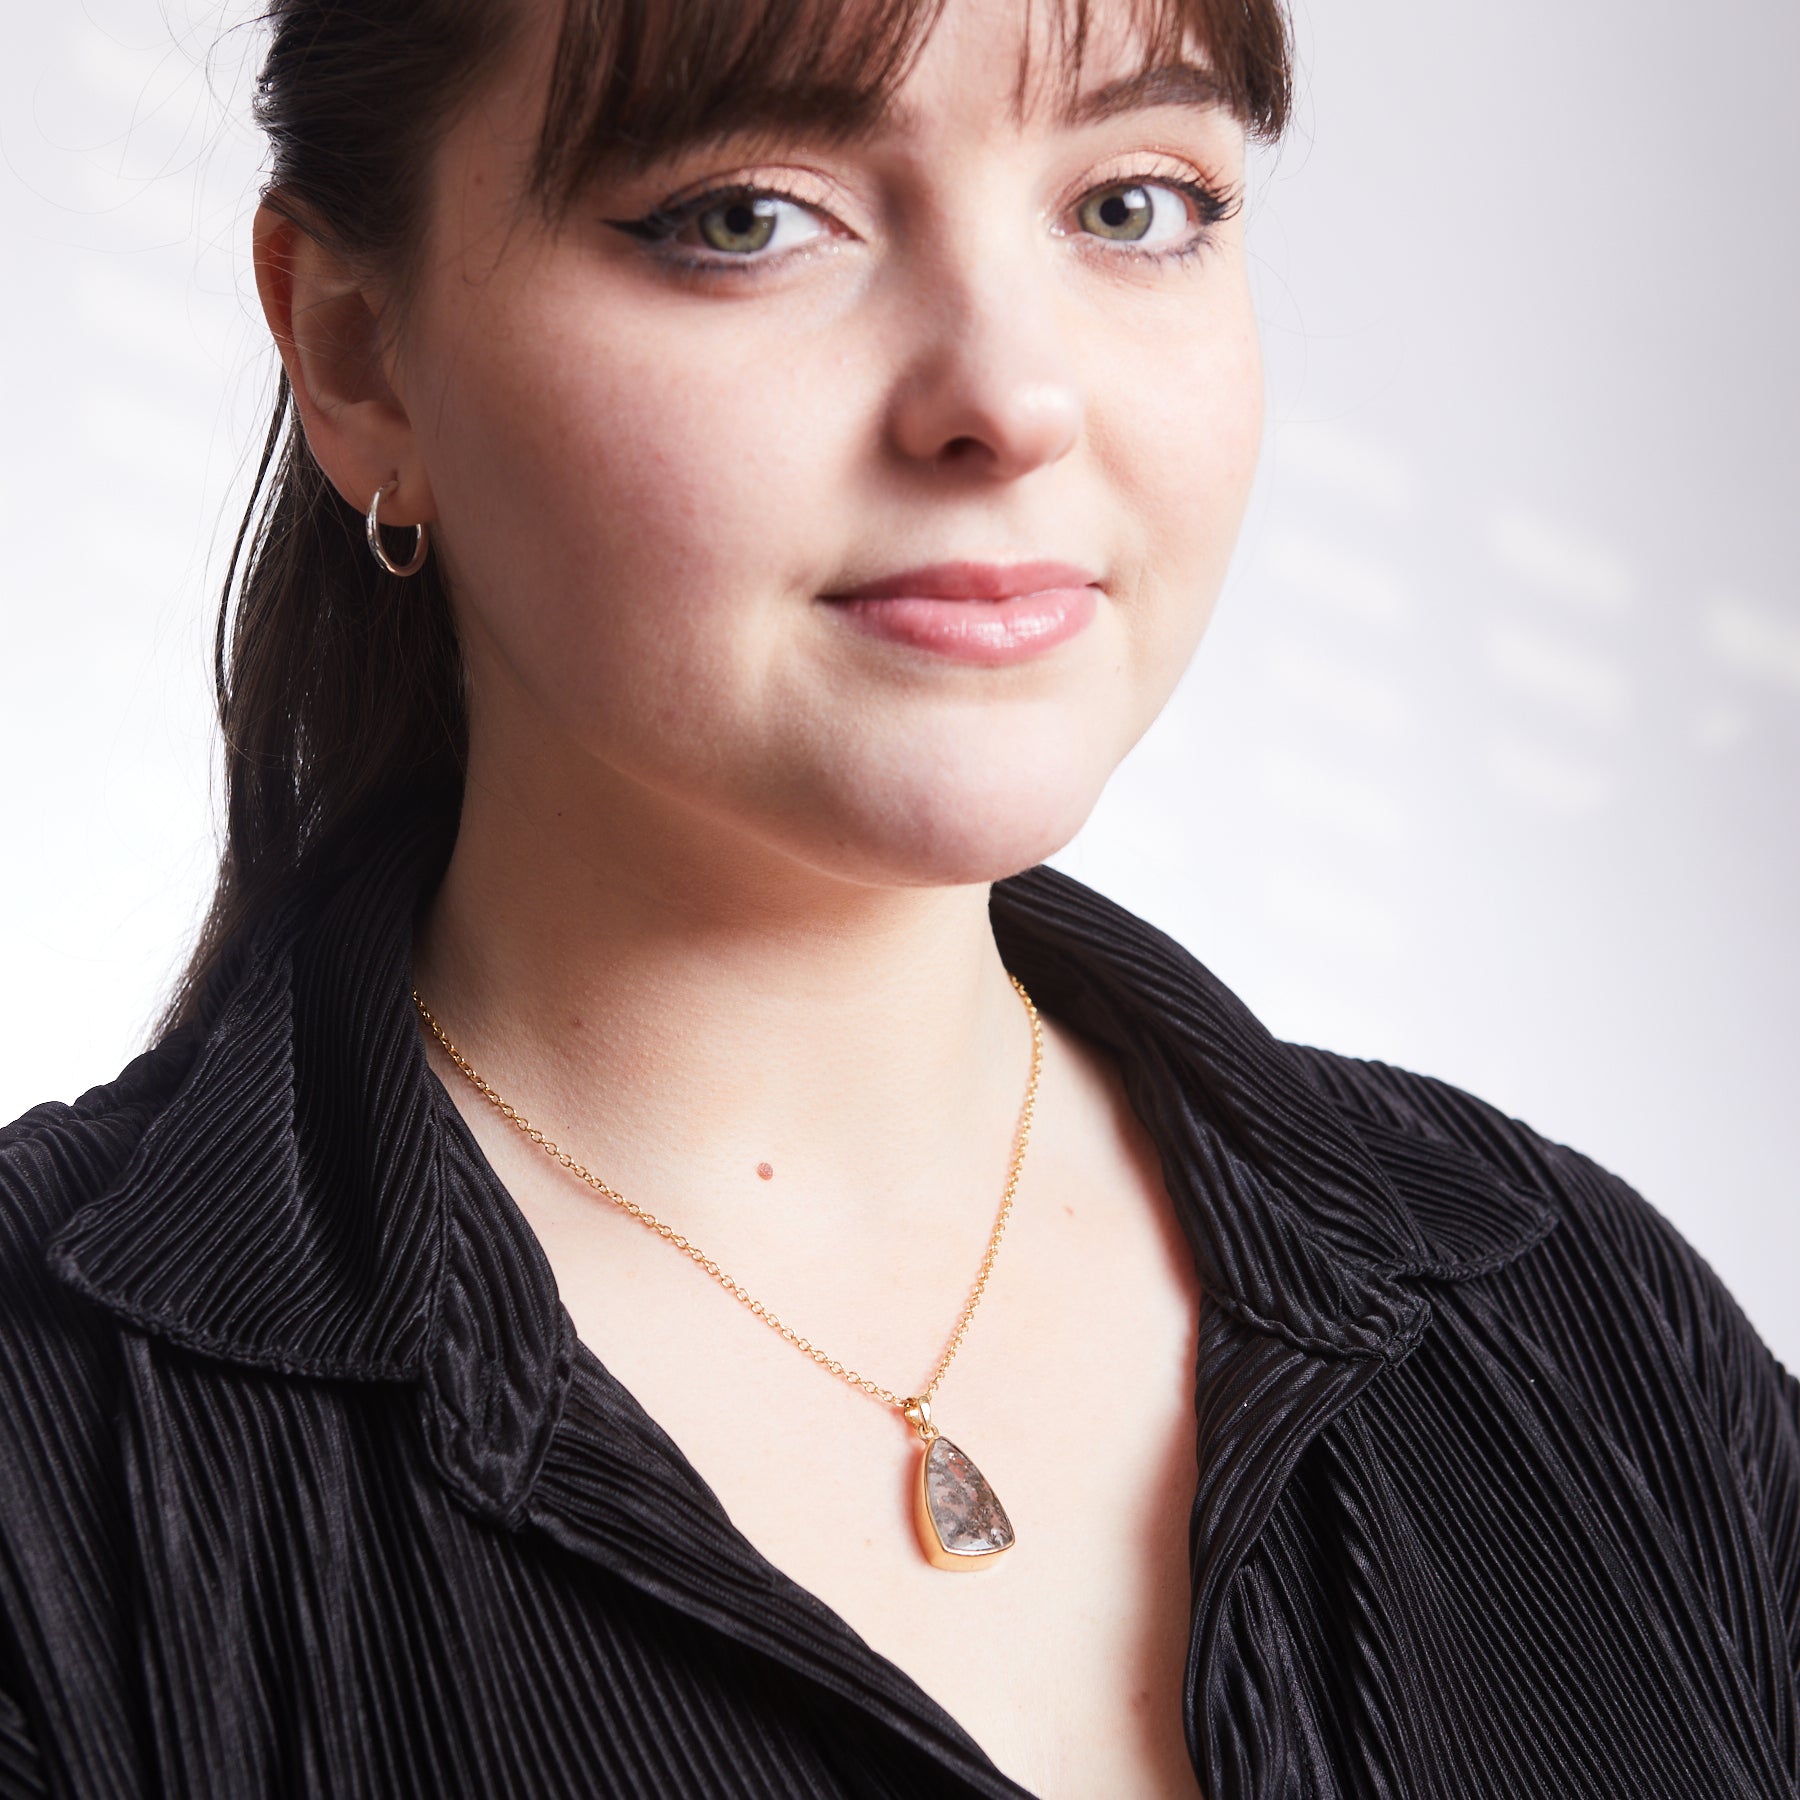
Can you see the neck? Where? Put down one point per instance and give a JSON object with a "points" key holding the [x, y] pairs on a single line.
{"points": [[682, 1008]]}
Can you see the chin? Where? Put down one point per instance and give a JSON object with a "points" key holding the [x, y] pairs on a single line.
{"points": [[956, 832]]}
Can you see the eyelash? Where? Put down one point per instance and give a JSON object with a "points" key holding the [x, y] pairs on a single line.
{"points": [[659, 227]]}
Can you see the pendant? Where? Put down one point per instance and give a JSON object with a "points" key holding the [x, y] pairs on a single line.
{"points": [[960, 1520]]}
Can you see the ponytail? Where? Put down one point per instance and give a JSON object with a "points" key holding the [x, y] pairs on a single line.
{"points": [[339, 690]]}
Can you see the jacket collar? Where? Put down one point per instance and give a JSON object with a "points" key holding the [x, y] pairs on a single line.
{"points": [[1303, 1217], [285, 1209], [307, 1203]]}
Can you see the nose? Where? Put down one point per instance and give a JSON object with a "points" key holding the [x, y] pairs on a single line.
{"points": [[991, 383]]}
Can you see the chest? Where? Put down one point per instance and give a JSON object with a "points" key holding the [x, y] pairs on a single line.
{"points": [[1074, 1394]]}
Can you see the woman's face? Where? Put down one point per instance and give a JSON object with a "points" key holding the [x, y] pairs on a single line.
{"points": [[652, 461]]}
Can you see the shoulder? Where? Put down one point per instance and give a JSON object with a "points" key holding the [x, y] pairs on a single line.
{"points": [[58, 1156], [1611, 1251], [1598, 1209], [1595, 1206], [61, 1368], [1378, 1097]]}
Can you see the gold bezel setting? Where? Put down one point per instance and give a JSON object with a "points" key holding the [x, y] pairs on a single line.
{"points": [[931, 1539]]}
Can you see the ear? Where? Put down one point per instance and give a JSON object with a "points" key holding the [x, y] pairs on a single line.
{"points": [[326, 321]]}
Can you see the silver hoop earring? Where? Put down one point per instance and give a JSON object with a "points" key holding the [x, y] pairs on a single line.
{"points": [[416, 561]]}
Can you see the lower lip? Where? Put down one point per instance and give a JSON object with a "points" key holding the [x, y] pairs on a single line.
{"points": [[977, 631]]}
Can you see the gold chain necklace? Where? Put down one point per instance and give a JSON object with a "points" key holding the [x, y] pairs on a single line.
{"points": [[960, 1520]]}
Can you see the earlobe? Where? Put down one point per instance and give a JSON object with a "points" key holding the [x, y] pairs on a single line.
{"points": [[324, 318]]}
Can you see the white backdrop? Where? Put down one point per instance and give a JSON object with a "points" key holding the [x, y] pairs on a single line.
{"points": [[1489, 764]]}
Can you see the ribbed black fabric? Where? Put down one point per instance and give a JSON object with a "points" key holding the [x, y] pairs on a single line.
{"points": [[309, 1488]]}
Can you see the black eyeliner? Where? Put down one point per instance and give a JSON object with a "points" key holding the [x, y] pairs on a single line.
{"points": [[662, 222]]}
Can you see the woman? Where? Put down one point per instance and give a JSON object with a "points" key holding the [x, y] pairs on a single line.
{"points": [[746, 476]]}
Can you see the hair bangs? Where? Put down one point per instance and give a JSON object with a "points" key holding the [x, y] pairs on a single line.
{"points": [[637, 81], [1246, 44]]}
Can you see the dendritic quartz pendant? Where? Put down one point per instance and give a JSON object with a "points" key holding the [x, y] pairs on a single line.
{"points": [[962, 1524]]}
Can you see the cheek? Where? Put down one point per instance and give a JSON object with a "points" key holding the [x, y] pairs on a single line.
{"points": [[1180, 440], [1196, 434], [620, 522]]}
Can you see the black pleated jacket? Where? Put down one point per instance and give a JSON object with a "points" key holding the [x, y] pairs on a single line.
{"points": [[307, 1486]]}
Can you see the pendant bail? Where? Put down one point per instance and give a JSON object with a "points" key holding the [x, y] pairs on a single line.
{"points": [[918, 1414]]}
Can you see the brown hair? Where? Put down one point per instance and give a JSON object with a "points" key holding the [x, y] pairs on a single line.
{"points": [[339, 686]]}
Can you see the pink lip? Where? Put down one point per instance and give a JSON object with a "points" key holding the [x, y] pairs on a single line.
{"points": [[975, 612]]}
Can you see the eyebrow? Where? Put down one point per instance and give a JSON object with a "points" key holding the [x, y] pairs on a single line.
{"points": [[828, 114], [1164, 84]]}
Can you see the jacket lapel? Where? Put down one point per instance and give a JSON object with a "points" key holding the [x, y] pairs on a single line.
{"points": [[1314, 1238]]}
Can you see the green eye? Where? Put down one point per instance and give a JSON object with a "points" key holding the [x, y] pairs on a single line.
{"points": [[1124, 213], [739, 227]]}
